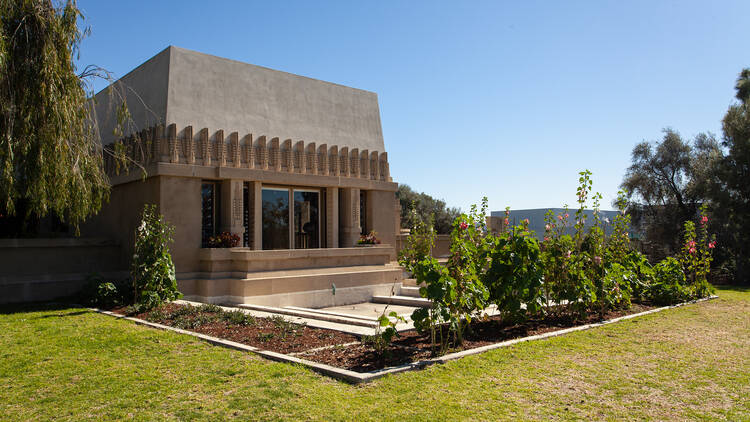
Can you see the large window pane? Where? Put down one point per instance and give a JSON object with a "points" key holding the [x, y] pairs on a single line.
{"points": [[209, 211], [306, 219], [275, 218]]}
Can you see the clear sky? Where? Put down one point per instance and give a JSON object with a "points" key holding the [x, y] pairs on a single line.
{"points": [[504, 99]]}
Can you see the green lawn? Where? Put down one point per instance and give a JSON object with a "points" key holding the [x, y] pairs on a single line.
{"points": [[691, 362]]}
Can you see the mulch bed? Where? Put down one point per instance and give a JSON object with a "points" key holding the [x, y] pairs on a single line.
{"points": [[278, 335], [272, 334], [412, 347]]}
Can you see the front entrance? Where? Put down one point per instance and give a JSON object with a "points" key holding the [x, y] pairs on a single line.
{"points": [[290, 218]]}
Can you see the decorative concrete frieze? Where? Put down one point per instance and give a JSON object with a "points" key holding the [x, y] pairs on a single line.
{"points": [[174, 155], [300, 164], [248, 151], [354, 162], [334, 161], [234, 144], [344, 169], [262, 153], [169, 145], [312, 159], [322, 155], [189, 145], [374, 165], [221, 149], [205, 147], [286, 153], [275, 153]]}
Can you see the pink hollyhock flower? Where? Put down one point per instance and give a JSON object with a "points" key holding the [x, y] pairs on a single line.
{"points": [[691, 244], [559, 217], [506, 221], [567, 215], [598, 260], [464, 226], [567, 254], [712, 244], [546, 239], [691, 250], [525, 221], [546, 227]]}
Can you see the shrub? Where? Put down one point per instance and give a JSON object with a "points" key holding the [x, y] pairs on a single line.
{"points": [[669, 283], [152, 269], [104, 294], [638, 264], [385, 332], [515, 273], [456, 291], [419, 243], [614, 289]]}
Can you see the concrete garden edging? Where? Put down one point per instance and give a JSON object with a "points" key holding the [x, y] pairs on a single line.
{"points": [[362, 377]]}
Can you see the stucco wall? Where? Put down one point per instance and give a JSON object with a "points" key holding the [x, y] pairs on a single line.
{"points": [[145, 92], [181, 207], [217, 93], [190, 88], [120, 216]]}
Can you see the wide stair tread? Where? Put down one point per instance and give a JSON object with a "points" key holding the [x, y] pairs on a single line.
{"points": [[403, 300], [411, 291]]}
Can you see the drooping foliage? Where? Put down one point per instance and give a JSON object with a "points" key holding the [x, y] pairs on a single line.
{"points": [[50, 152]]}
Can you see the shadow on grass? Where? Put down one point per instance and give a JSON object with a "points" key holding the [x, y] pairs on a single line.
{"points": [[16, 308], [733, 288]]}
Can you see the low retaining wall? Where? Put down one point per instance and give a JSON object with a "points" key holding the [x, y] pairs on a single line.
{"points": [[441, 249], [44, 269]]}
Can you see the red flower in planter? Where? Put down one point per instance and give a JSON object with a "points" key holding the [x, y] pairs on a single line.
{"points": [[463, 225]]}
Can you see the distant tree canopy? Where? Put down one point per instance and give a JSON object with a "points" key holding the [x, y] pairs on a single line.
{"points": [[668, 181], [426, 206], [50, 152]]}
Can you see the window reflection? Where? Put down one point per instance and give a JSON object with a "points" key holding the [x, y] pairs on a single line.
{"points": [[275, 218], [306, 219]]}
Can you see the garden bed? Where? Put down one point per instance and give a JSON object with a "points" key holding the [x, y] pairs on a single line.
{"points": [[412, 346], [345, 351], [274, 334]]}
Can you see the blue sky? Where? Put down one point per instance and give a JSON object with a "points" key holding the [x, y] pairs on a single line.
{"points": [[504, 99]]}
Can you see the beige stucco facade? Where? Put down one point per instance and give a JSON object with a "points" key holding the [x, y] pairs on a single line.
{"points": [[213, 139]]}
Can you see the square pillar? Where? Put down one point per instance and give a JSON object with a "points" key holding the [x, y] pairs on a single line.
{"points": [[255, 203], [349, 217], [231, 207], [332, 217]]}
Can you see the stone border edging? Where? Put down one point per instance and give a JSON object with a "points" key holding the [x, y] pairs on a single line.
{"points": [[362, 377]]}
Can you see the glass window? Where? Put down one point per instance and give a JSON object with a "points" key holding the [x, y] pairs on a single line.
{"points": [[275, 218], [306, 219], [209, 211]]}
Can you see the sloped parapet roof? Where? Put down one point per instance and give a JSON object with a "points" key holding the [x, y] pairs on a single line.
{"points": [[183, 87]]}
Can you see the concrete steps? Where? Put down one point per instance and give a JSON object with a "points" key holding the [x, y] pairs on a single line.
{"points": [[312, 314], [411, 291], [403, 301]]}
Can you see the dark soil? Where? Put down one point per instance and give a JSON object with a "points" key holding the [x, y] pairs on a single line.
{"points": [[412, 347], [275, 334]]}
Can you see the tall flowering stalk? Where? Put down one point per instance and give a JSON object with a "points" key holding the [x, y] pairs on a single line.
{"points": [[696, 254]]}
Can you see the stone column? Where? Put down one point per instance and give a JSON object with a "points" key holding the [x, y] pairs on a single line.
{"points": [[349, 217], [255, 203], [332, 217], [231, 207]]}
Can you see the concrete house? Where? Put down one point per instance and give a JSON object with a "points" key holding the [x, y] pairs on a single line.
{"points": [[295, 166]]}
